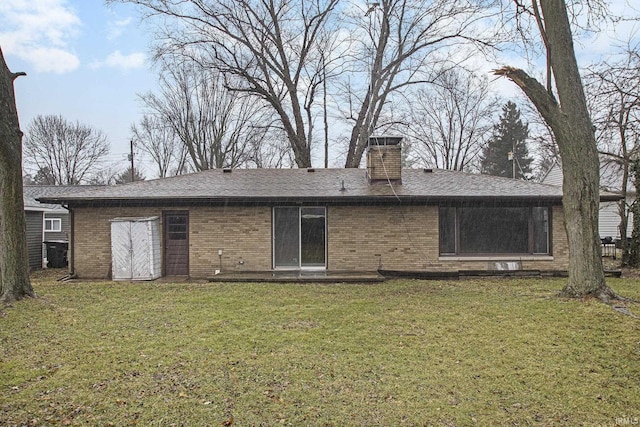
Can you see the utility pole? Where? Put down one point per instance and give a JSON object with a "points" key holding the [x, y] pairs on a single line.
{"points": [[514, 159], [511, 156], [133, 173]]}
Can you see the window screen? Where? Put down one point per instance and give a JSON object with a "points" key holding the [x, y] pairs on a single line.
{"points": [[494, 230]]}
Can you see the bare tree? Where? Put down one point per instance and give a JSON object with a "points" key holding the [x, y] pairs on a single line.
{"points": [[542, 141], [273, 152], [270, 47], [451, 120], [156, 138], [14, 262], [105, 176], [614, 101], [398, 46], [218, 127], [71, 152], [565, 110]]}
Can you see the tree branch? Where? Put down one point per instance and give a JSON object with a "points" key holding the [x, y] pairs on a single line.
{"points": [[544, 102]]}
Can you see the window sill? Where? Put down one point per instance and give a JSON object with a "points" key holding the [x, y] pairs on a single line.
{"points": [[497, 258]]}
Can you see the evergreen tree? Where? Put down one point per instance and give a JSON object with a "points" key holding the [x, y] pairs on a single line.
{"points": [[509, 136], [125, 176], [44, 177]]}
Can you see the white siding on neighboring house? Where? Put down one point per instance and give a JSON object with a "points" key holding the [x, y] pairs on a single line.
{"points": [[609, 218], [553, 176]]}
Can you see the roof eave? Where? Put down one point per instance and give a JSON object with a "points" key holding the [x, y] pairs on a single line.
{"points": [[334, 200]]}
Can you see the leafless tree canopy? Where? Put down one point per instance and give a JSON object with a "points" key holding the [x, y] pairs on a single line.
{"points": [[542, 141], [450, 123], [217, 127], [613, 89], [408, 42], [614, 102], [270, 47], [157, 139], [291, 53], [70, 152]]}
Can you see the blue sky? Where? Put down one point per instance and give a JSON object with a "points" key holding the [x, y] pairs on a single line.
{"points": [[87, 61], [84, 61]]}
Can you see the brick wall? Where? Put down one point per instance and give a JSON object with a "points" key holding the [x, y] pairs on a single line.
{"points": [[243, 234], [92, 238], [406, 238], [359, 238], [384, 162], [560, 244], [387, 237]]}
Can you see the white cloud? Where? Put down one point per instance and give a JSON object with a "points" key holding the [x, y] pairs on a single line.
{"points": [[38, 32], [120, 61], [53, 60], [117, 27]]}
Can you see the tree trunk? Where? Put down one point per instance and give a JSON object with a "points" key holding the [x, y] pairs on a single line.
{"points": [[623, 211], [569, 119], [14, 261]]}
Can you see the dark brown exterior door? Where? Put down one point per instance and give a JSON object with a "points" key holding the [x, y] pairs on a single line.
{"points": [[176, 243]]}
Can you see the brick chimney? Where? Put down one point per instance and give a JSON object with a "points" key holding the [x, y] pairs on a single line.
{"points": [[384, 159]]}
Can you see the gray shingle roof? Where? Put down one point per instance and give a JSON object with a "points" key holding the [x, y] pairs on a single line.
{"points": [[31, 194], [335, 185]]}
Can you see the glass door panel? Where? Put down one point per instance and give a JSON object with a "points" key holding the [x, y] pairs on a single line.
{"points": [[540, 230], [286, 243], [312, 237]]}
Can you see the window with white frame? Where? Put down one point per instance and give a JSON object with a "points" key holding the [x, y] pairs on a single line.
{"points": [[53, 224]]}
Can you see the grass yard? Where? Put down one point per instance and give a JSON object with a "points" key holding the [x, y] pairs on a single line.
{"points": [[460, 353]]}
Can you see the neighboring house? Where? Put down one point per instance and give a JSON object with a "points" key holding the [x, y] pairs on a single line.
{"points": [[45, 222], [329, 220], [610, 181]]}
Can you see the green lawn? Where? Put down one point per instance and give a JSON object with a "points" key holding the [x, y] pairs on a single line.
{"points": [[486, 352]]}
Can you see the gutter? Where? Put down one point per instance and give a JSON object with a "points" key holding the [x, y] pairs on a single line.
{"points": [[366, 200]]}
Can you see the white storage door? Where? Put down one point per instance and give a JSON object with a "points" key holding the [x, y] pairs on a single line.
{"points": [[135, 248], [140, 268], [155, 253], [121, 250]]}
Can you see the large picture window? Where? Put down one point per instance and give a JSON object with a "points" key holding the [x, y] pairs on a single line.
{"points": [[478, 230]]}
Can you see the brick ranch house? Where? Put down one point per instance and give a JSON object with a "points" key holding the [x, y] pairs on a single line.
{"points": [[384, 218]]}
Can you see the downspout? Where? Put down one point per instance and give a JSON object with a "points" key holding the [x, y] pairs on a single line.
{"points": [[71, 247], [43, 250]]}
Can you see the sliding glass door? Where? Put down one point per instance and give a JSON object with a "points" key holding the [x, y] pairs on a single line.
{"points": [[312, 237], [286, 237], [299, 237]]}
